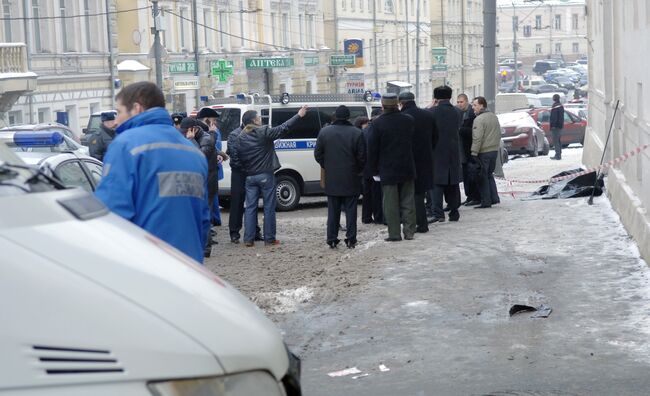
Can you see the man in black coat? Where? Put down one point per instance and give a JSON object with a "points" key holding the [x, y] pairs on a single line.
{"points": [[391, 158], [557, 124], [447, 170], [341, 152], [423, 143], [470, 184], [372, 210], [98, 143]]}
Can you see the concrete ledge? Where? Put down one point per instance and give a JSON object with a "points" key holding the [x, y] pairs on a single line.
{"points": [[629, 207]]}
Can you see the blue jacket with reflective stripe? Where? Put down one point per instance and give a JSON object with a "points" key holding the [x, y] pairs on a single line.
{"points": [[155, 178]]}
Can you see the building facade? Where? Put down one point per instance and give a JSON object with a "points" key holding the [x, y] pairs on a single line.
{"points": [[458, 26], [67, 47], [386, 31], [617, 72], [263, 46], [553, 28]]}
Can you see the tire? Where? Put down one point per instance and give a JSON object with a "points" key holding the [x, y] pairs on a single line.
{"points": [[287, 193], [547, 147], [534, 152]]}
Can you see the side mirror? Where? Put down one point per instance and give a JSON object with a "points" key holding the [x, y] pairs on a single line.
{"points": [[85, 130]]}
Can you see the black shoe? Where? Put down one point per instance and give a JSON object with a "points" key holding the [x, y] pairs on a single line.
{"points": [[483, 206], [333, 244], [258, 237], [472, 203], [422, 230], [438, 220], [234, 240], [393, 239], [367, 221], [556, 158], [446, 208], [454, 216], [207, 252], [351, 244], [408, 237]]}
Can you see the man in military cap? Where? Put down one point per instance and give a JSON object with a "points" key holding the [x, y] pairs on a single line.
{"points": [[99, 141], [177, 118], [390, 156]]}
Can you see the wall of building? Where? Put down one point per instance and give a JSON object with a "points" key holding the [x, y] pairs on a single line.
{"points": [[617, 72]]}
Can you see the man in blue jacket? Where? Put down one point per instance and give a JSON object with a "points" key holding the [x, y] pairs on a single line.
{"points": [[153, 176]]}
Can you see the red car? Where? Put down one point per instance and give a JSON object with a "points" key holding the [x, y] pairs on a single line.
{"points": [[574, 126]]}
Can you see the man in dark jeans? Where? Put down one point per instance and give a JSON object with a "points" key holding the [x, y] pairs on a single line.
{"points": [[557, 124], [237, 189], [486, 137], [255, 150]]}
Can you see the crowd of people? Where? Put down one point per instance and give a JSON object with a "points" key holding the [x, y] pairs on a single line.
{"points": [[162, 172]]}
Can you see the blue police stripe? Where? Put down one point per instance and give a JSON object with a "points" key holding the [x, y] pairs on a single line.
{"points": [[286, 145]]}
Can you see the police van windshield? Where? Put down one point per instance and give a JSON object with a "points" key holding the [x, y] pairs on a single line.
{"points": [[228, 121]]}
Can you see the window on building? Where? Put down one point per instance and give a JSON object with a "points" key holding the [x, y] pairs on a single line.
{"points": [[6, 13], [353, 4], [558, 22], [310, 32], [182, 28], [15, 117], [36, 26], [558, 48], [574, 21], [412, 7], [538, 21], [576, 48], [469, 8], [274, 29], [527, 31], [44, 115], [388, 7], [285, 31], [538, 48], [207, 25], [301, 30], [223, 27], [497, 24]]}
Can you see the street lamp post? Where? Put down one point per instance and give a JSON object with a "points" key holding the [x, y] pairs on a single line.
{"points": [[156, 44]]}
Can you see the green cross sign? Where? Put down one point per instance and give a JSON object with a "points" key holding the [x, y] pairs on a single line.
{"points": [[222, 69], [439, 55]]}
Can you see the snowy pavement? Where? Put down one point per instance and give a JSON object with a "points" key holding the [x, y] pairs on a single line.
{"points": [[433, 312]]}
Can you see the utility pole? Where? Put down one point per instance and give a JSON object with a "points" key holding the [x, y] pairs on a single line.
{"points": [[111, 56], [515, 45], [195, 22], [335, 70], [156, 44], [28, 49], [489, 50], [408, 52], [417, 53], [462, 47], [374, 35]]}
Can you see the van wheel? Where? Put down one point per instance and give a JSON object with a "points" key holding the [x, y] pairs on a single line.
{"points": [[287, 192], [534, 152]]}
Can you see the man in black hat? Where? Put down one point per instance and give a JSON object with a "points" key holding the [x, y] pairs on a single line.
{"points": [[341, 152], [423, 142], [390, 155], [447, 169], [177, 118], [98, 143]]}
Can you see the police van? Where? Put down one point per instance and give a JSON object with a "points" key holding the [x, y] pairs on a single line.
{"points": [[300, 173]]}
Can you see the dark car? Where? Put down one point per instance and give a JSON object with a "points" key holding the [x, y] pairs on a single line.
{"points": [[542, 66], [574, 125], [546, 88], [562, 81]]}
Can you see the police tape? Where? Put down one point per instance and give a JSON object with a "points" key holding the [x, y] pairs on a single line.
{"points": [[604, 166]]}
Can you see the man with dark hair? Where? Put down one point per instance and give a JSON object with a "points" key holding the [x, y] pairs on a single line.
{"points": [[447, 170], [424, 139], [557, 124], [486, 139], [470, 184], [238, 183], [255, 150], [209, 117], [341, 152], [390, 155], [98, 143], [153, 176]]}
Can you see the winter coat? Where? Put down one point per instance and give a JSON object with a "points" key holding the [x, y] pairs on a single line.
{"points": [[447, 169], [341, 152], [391, 148], [557, 116], [255, 147], [155, 178], [465, 134], [99, 141], [235, 164], [486, 133], [367, 133], [207, 146], [423, 143]]}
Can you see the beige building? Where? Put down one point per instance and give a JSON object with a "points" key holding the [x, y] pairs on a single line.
{"points": [[553, 28], [260, 46], [618, 71], [458, 26], [387, 32], [67, 47]]}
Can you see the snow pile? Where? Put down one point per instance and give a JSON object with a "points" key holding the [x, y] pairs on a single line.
{"points": [[284, 301]]}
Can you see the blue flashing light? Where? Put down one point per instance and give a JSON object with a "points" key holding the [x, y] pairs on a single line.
{"points": [[38, 138], [376, 95]]}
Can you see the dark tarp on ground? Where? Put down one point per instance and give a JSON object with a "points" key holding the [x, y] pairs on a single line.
{"points": [[574, 187]]}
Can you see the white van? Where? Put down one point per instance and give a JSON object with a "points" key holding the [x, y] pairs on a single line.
{"points": [[507, 102], [94, 305], [547, 98], [300, 173]]}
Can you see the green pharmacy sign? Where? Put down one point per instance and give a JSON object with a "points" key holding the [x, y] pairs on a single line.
{"points": [[222, 69], [268, 63], [342, 60]]}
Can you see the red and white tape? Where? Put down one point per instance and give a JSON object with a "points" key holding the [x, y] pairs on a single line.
{"points": [[606, 165]]}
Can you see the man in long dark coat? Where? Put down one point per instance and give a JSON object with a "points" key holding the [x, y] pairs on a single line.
{"points": [[341, 152], [390, 155], [423, 143], [470, 182], [447, 170]]}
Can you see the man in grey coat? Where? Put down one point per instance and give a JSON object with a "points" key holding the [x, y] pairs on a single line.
{"points": [[341, 152], [486, 138]]}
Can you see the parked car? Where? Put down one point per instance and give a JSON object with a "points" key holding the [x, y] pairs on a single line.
{"points": [[542, 66], [583, 61], [530, 84], [546, 88], [562, 81], [50, 126], [520, 134], [68, 143], [511, 63], [546, 99], [574, 125], [508, 102]]}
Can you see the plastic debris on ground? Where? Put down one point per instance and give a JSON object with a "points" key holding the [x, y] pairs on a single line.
{"points": [[343, 373], [579, 186], [383, 368], [543, 311]]}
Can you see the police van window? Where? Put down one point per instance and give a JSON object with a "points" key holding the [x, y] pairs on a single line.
{"points": [[228, 121], [71, 175], [327, 114], [306, 128]]}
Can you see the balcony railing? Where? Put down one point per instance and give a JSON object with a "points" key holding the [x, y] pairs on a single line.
{"points": [[13, 58]]}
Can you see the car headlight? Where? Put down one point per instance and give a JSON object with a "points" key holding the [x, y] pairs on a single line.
{"points": [[244, 384]]}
